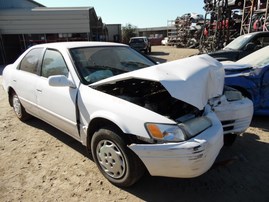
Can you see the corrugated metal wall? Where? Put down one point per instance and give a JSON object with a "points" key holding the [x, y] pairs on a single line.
{"points": [[37, 21]]}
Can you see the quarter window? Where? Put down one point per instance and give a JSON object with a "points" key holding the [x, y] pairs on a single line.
{"points": [[265, 41], [30, 62], [53, 64]]}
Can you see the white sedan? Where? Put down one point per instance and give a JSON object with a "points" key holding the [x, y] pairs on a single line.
{"points": [[130, 113]]}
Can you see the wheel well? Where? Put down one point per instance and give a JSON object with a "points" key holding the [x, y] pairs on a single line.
{"points": [[98, 123], [11, 91], [243, 91]]}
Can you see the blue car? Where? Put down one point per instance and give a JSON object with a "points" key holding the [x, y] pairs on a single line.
{"points": [[250, 75]]}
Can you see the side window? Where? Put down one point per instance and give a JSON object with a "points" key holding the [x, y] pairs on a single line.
{"points": [[265, 41], [261, 41], [31, 60], [53, 64]]}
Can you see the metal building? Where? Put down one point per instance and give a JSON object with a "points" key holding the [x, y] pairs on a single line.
{"points": [[26, 22], [114, 32]]}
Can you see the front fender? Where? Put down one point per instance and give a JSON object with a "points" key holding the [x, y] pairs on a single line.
{"points": [[125, 125], [245, 86], [129, 117], [242, 83]]}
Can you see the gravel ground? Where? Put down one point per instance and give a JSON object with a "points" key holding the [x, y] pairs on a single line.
{"points": [[40, 163]]}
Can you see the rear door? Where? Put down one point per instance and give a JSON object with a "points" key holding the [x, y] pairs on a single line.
{"points": [[57, 105], [26, 78]]}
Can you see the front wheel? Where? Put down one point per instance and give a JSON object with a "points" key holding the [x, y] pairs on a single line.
{"points": [[114, 159], [19, 109]]}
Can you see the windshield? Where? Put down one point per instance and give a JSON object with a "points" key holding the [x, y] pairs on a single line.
{"points": [[238, 43], [97, 63], [259, 58], [136, 40]]}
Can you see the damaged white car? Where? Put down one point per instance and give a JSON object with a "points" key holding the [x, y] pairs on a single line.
{"points": [[130, 116]]}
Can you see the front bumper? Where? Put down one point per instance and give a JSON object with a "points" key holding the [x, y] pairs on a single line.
{"points": [[235, 116], [184, 159]]}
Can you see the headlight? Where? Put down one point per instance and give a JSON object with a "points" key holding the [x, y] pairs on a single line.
{"points": [[195, 126], [165, 132], [232, 94], [180, 132]]}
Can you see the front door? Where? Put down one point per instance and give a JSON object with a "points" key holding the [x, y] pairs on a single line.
{"points": [[57, 105]]}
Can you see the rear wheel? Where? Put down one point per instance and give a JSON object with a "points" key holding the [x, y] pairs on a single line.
{"points": [[19, 109], [114, 159]]}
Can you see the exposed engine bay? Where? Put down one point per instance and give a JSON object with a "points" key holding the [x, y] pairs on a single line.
{"points": [[152, 96]]}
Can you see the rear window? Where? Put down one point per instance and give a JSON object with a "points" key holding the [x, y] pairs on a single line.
{"points": [[137, 40]]}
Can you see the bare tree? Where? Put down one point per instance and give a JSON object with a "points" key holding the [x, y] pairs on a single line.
{"points": [[128, 31]]}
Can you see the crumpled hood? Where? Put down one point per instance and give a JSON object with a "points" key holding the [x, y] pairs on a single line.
{"points": [[193, 80]]}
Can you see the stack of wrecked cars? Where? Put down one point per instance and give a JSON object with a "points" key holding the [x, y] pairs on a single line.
{"points": [[131, 114]]}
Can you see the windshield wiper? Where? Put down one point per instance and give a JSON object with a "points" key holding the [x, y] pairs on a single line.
{"points": [[136, 64], [104, 67]]}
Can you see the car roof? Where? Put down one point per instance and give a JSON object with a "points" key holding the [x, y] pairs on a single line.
{"points": [[77, 44], [138, 37], [257, 33]]}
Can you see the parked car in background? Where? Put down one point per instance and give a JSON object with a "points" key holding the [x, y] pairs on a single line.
{"points": [[250, 75], [165, 41], [140, 44], [235, 3], [242, 46], [192, 17], [130, 113], [230, 3]]}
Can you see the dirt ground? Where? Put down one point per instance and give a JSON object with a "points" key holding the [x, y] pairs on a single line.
{"points": [[40, 163]]}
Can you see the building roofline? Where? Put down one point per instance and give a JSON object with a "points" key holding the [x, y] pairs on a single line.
{"points": [[153, 28], [34, 2], [61, 8]]}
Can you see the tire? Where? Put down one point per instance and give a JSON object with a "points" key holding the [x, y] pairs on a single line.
{"points": [[114, 159], [19, 109], [229, 139]]}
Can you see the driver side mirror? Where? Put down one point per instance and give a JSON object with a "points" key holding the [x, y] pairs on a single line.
{"points": [[60, 81]]}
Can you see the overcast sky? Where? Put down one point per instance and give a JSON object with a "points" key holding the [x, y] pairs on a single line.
{"points": [[140, 13]]}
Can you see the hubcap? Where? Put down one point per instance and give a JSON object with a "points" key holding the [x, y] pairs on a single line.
{"points": [[111, 159], [17, 106]]}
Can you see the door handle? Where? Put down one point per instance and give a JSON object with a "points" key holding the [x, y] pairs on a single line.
{"points": [[39, 90]]}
